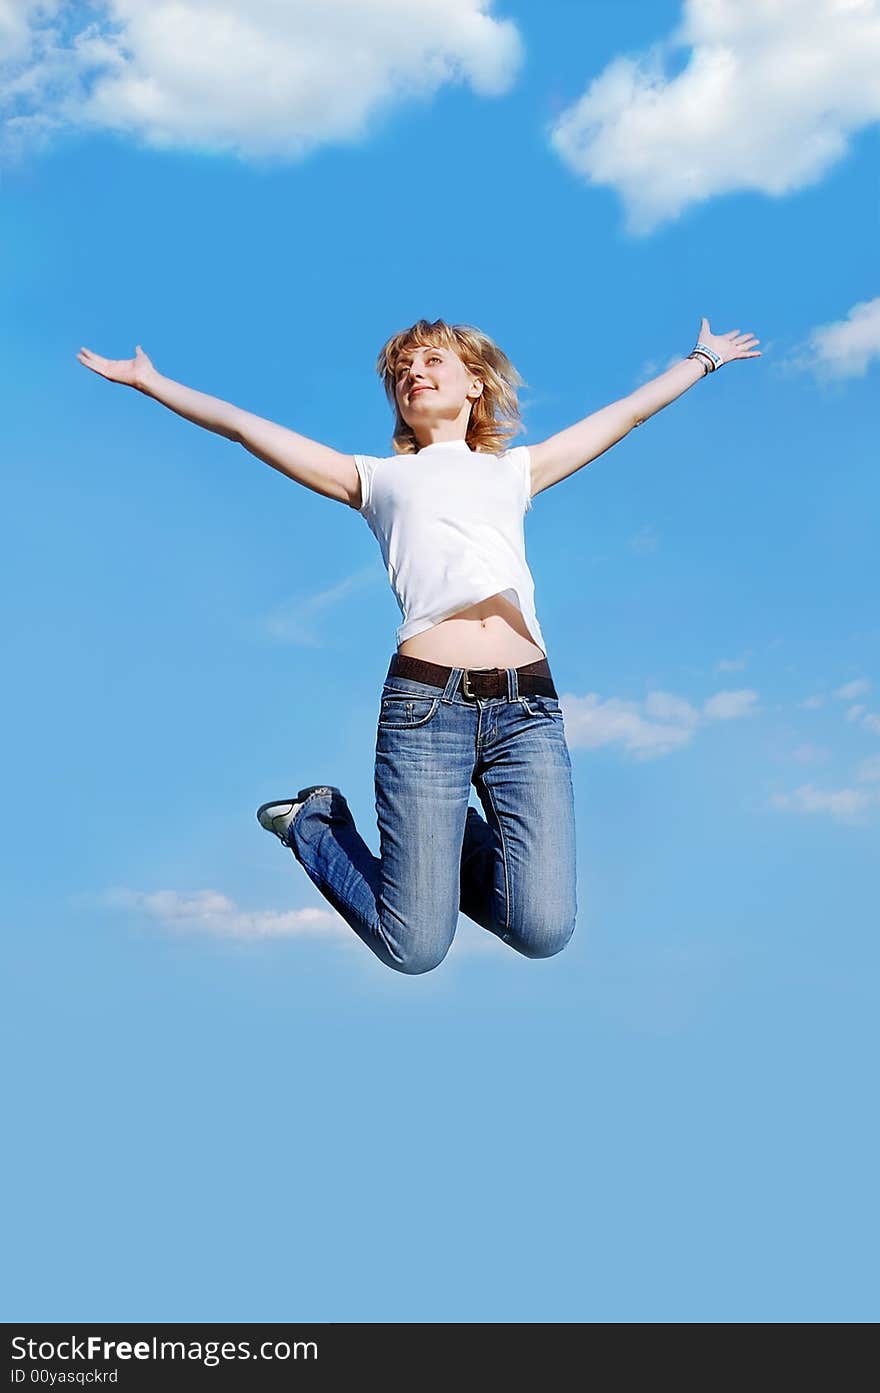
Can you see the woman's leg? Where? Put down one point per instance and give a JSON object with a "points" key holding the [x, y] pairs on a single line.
{"points": [[518, 868], [404, 903]]}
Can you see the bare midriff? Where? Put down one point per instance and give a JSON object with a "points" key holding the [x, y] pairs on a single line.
{"points": [[491, 633]]}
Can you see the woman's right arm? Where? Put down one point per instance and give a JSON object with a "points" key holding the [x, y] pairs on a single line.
{"points": [[317, 467]]}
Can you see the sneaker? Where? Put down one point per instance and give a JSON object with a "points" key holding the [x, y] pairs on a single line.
{"points": [[277, 817]]}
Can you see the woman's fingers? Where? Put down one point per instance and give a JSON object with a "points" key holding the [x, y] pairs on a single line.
{"points": [[129, 372], [114, 369], [730, 345], [97, 363], [91, 360]]}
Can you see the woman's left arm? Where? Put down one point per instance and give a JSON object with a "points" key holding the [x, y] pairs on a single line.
{"points": [[561, 455]]}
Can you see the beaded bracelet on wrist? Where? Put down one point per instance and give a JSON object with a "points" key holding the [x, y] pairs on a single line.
{"points": [[707, 355]]}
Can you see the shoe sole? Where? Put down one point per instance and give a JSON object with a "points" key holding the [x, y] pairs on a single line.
{"points": [[300, 798]]}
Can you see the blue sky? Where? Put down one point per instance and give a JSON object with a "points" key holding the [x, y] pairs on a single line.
{"points": [[224, 1108]]}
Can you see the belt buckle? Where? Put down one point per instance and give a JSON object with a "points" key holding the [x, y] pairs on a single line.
{"points": [[466, 686]]}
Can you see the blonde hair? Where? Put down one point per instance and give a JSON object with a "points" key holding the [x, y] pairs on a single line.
{"points": [[494, 419]]}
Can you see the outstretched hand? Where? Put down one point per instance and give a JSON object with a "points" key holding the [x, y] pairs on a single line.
{"points": [[131, 372], [728, 346]]}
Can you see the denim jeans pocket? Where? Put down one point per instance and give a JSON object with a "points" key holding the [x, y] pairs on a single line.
{"points": [[400, 710], [545, 706]]}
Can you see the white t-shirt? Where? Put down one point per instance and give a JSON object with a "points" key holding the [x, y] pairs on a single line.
{"points": [[449, 522]]}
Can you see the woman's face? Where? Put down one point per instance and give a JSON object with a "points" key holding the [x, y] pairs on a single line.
{"points": [[433, 384]]}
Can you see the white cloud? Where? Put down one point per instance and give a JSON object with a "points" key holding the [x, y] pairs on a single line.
{"points": [[302, 619], [868, 771], [852, 689], [842, 349], [45, 65], [767, 99], [844, 804], [810, 754], [868, 720], [17, 21], [657, 726], [211, 913], [262, 80], [731, 664], [730, 706], [591, 723], [858, 712]]}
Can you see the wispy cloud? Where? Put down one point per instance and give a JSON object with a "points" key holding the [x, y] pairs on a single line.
{"points": [[841, 349], [857, 713], [843, 804], [851, 689], [649, 729], [730, 706], [645, 541], [810, 754], [16, 20], [767, 98], [302, 618], [213, 914], [655, 367], [731, 664], [262, 81], [853, 713]]}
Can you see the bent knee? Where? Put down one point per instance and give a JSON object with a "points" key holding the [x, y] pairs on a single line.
{"points": [[415, 950], [414, 961], [544, 938]]}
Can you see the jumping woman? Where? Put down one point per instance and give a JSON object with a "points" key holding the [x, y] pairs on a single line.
{"points": [[469, 697]]}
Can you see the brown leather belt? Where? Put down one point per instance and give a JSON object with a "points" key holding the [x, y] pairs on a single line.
{"points": [[534, 679]]}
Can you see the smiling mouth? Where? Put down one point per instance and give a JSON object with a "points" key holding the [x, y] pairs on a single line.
{"points": [[420, 389]]}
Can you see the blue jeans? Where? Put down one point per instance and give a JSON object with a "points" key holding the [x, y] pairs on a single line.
{"points": [[512, 872]]}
